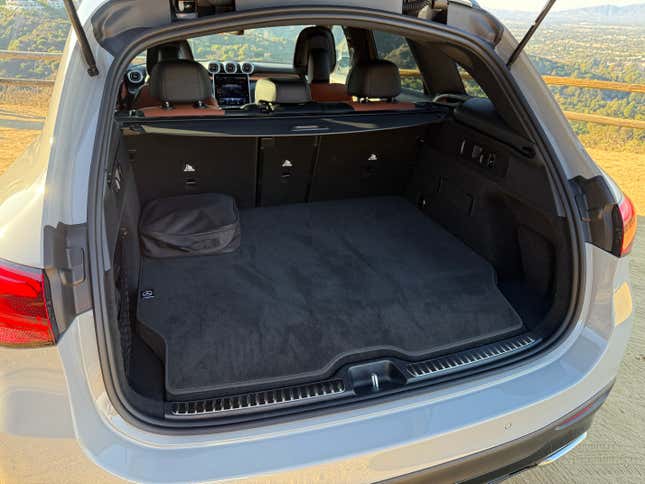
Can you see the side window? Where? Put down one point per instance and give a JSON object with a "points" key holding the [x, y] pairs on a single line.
{"points": [[471, 86], [343, 56], [396, 49], [32, 38]]}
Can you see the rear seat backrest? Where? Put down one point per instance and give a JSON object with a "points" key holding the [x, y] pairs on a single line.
{"points": [[376, 84], [375, 163], [167, 166], [183, 89]]}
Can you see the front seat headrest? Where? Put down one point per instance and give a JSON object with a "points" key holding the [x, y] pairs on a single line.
{"points": [[318, 66], [170, 51], [180, 81], [374, 79], [318, 39], [282, 91]]}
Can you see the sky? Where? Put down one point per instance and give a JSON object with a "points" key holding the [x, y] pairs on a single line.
{"points": [[536, 5]]}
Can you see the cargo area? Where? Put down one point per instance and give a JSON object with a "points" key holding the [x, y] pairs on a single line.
{"points": [[395, 246], [316, 284], [279, 238]]}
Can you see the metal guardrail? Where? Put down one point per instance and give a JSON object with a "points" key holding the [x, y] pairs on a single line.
{"points": [[594, 84], [405, 73], [12, 81], [598, 119], [29, 55], [566, 81]]}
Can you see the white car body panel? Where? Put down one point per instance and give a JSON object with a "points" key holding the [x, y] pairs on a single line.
{"points": [[22, 193]]}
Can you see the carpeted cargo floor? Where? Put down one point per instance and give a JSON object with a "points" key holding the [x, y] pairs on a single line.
{"points": [[316, 283]]}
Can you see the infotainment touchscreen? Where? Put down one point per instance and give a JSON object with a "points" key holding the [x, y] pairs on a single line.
{"points": [[232, 90]]}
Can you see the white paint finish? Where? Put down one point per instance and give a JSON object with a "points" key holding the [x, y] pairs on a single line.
{"points": [[72, 129], [22, 190]]}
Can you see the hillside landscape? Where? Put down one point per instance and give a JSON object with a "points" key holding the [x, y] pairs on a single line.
{"points": [[602, 43]]}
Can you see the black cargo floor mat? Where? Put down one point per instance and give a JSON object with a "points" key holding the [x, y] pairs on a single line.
{"points": [[316, 283]]}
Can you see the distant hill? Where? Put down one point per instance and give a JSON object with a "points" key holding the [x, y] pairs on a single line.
{"points": [[602, 15], [33, 4], [36, 29]]}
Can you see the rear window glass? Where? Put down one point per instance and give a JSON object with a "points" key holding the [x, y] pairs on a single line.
{"points": [[396, 49], [271, 44], [343, 56], [470, 85]]}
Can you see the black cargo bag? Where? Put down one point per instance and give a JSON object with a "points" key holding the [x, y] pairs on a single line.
{"points": [[188, 225]]}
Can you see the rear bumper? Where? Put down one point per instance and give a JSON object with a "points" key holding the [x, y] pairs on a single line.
{"points": [[542, 447], [431, 430]]}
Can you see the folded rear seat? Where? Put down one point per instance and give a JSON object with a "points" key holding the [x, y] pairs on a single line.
{"points": [[376, 84]]}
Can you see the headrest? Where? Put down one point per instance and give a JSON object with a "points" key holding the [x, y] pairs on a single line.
{"points": [[180, 81], [314, 38], [170, 51], [282, 91], [318, 66], [374, 79]]}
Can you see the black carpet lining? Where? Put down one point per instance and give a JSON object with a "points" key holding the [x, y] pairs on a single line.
{"points": [[314, 283]]}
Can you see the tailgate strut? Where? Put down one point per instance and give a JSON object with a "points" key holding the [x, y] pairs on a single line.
{"points": [[529, 33], [92, 70]]}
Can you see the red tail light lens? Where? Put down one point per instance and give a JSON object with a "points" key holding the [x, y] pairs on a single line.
{"points": [[628, 216], [24, 318]]}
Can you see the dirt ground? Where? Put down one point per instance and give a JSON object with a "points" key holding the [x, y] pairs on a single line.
{"points": [[12, 143], [614, 451]]}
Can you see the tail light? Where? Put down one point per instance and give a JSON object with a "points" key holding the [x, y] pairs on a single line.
{"points": [[24, 317], [628, 231]]}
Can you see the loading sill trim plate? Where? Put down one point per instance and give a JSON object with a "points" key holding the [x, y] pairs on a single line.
{"points": [[260, 401], [296, 395], [469, 358]]}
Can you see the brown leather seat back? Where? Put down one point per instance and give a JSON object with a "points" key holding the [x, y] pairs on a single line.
{"points": [[334, 92], [159, 53], [182, 88]]}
